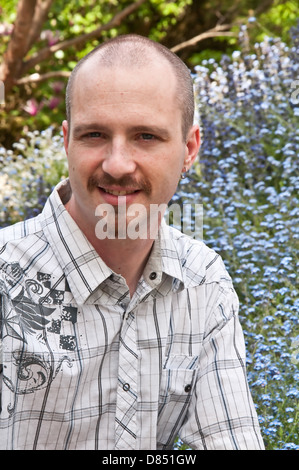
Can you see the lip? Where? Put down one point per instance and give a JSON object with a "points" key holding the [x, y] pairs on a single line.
{"points": [[126, 196]]}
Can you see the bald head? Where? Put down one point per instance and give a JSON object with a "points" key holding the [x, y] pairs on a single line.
{"points": [[132, 51]]}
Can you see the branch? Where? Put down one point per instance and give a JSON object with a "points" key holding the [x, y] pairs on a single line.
{"points": [[17, 47], [40, 15], [263, 7], [36, 77], [48, 51], [218, 31]]}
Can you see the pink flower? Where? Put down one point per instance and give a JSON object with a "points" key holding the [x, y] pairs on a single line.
{"points": [[6, 29], [32, 107], [49, 36]]}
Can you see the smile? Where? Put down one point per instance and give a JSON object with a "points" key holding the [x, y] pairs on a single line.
{"points": [[118, 193]]}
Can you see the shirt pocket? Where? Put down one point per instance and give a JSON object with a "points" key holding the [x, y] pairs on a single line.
{"points": [[178, 380]]}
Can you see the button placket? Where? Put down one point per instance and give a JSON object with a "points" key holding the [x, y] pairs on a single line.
{"points": [[126, 401]]}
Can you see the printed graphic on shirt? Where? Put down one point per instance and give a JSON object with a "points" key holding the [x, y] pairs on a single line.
{"points": [[35, 372], [34, 308]]}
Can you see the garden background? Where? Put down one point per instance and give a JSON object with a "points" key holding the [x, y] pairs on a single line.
{"points": [[243, 56]]}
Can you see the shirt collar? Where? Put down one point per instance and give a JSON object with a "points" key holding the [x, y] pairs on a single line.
{"points": [[83, 267]]}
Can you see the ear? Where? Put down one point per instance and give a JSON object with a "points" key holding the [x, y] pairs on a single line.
{"points": [[65, 130], [192, 146]]}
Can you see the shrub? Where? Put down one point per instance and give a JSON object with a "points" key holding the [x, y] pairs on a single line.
{"points": [[248, 182], [28, 174]]}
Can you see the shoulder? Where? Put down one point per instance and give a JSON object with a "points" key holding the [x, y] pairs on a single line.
{"points": [[23, 247], [19, 235], [20, 230], [204, 271], [200, 264]]}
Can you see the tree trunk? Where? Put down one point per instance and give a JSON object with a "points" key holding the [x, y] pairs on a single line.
{"points": [[17, 47], [31, 15]]}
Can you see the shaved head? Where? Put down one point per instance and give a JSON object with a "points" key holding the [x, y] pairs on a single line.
{"points": [[133, 51]]}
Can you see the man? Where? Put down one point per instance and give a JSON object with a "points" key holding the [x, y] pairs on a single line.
{"points": [[121, 342]]}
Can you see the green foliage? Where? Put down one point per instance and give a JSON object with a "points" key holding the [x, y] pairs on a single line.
{"points": [[168, 13], [37, 106], [278, 21]]}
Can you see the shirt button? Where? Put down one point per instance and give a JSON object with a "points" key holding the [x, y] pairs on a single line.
{"points": [[153, 276], [126, 387], [188, 388]]}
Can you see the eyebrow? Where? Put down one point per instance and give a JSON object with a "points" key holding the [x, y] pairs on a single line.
{"points": [[152, 129], [93, 127], [82, 128]]}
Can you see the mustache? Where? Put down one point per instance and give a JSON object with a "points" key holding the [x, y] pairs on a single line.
{"points": [[126, 181]]}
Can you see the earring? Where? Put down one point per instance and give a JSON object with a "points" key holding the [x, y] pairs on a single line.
{"points": [[183, 173]]}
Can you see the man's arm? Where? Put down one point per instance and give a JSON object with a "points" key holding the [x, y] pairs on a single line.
{"points": [[221, 414]]}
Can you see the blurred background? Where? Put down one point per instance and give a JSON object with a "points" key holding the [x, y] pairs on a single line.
{"points": [[244, 60], [41, 41]]}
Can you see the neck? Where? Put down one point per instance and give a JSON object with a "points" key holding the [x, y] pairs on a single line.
{"points": [[125, 257]]}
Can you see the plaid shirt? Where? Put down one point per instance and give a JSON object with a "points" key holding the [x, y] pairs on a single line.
{"points": [[86, 366]]}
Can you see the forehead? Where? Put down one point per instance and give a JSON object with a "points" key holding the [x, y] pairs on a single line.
{"points": [[153, 82]]}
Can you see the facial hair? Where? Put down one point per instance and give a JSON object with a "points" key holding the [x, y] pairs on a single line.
{"points": [[126, 181]]}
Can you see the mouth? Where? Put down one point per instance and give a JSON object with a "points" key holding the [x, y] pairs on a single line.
{"points": [[118, 196], [122, 192]]}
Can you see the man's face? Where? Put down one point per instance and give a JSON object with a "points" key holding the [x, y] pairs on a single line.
{"points": [[125, 143]]}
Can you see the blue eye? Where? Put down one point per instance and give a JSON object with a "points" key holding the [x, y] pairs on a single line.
{"points": [[146, 136]]}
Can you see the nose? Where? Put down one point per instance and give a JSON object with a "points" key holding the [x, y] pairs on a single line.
{"points": [[119, 161]]}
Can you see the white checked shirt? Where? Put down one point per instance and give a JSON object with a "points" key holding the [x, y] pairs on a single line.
{"points": [[87, 367]]}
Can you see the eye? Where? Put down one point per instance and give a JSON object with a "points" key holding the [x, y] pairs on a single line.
{"points": [[147, 136], [94, 135]]}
